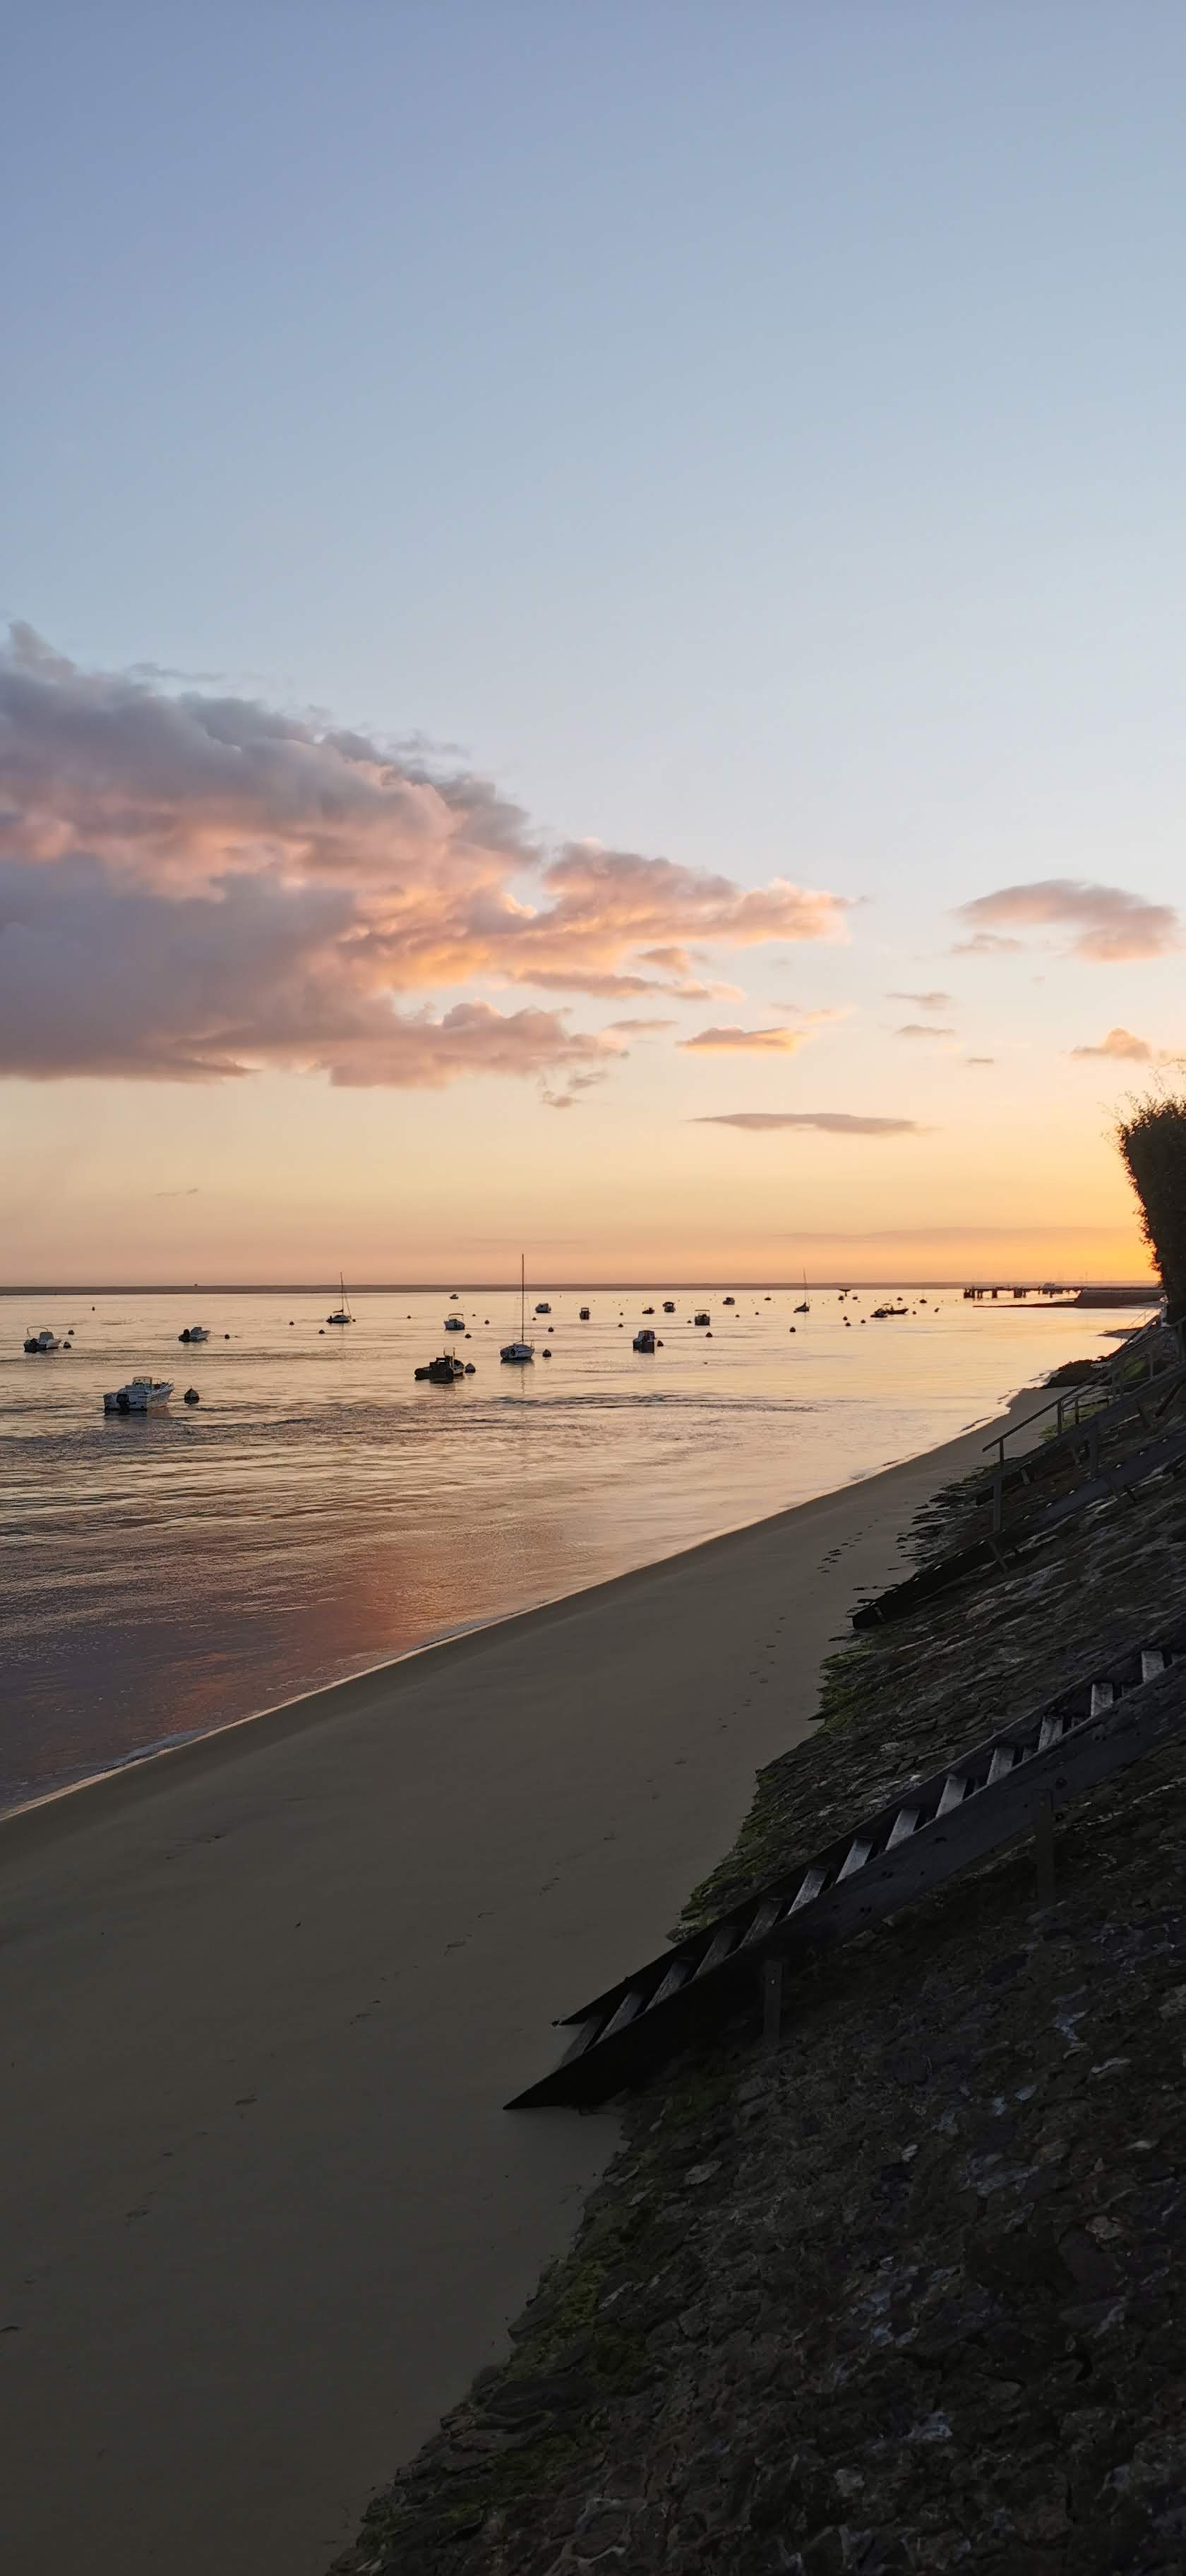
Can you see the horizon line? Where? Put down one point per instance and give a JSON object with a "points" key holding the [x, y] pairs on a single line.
{"points": [[1006, 1280]]}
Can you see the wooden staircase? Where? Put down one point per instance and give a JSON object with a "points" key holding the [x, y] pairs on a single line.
{"points": [[1013, 1783]]}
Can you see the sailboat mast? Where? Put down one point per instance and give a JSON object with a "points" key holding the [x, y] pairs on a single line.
{"points": [[522, 1296]]}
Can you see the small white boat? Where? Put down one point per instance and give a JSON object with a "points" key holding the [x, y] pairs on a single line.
{"points": [[195, 1333], [454, 1323], [42, 1341], [518, 1353], [341, 1314], [140, 1395]]}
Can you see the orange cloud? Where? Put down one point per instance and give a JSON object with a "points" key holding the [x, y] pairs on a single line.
{"points": [[736, 1041], [831, 1122], [1124, 1048]]}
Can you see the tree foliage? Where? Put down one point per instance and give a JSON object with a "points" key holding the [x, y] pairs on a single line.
{"points": [[1152, 1140]]}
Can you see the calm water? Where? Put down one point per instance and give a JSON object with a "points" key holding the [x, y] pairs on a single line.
{"points": [[320, 1511]]}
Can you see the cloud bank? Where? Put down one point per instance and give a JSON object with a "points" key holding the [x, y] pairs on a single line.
{"points": [[1109, 925], [193, 887]]}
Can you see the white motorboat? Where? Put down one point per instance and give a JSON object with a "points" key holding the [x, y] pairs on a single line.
{"points": [[42, 1341], [341, 1314], [518, 1353], [195, 1333], [140, 1395]]}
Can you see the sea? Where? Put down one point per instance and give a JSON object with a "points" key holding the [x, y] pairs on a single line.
{"points": [[319, 1511]]}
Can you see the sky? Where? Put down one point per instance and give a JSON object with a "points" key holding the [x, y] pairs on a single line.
{"points": [[597, 643]]}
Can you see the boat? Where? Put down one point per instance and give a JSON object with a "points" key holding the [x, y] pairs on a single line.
{"points": [[443, 1371], [669, 1305], [454, 1323], [805, 1307], [584, 1315], [644, 1340], [140, 1395], [648, 1310], [702, 1316], [880, 1312], [518, 1353], [545, 1309], [43, 1341], [728, 1301], [342, 1314], [195, 1333]]}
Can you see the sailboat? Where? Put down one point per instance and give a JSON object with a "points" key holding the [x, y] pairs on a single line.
{"points": [[805, 1308], [342, 1315], [521, 1351]]}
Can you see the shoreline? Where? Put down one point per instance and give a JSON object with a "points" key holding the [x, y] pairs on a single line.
{"points": [[310, 1707], [294, 1973]]}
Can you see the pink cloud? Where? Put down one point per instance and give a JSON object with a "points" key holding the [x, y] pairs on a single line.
{"points": [[288, 881], [922, 1029], [1109, 924]]}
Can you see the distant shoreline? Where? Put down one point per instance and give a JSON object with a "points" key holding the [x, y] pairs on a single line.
{"points": [[1129, 1288]]}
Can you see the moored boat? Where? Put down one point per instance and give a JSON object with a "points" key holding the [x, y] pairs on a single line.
{"points": [[443, 1371], [195, 1333], [342, 1313], [140, 1395], [644, 1340], [518, 1353], [702, 1316], [41, 1342], [584, 1315], [454, 1323], [669, 1305]]}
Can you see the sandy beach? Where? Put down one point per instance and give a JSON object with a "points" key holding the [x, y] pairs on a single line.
{"points": [[263, 2000]]}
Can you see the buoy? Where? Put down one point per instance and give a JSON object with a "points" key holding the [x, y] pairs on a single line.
{"points": [[469, 1368], [191, 1396], [547, 1355]]}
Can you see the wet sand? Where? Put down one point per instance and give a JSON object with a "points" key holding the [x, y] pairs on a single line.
{"points": [[263, 1998]]}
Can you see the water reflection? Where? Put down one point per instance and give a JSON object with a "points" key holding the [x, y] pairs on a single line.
{"points": [[320, 1510]]}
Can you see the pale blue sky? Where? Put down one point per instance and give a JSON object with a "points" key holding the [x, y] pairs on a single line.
{"points": [[754, 432]]}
